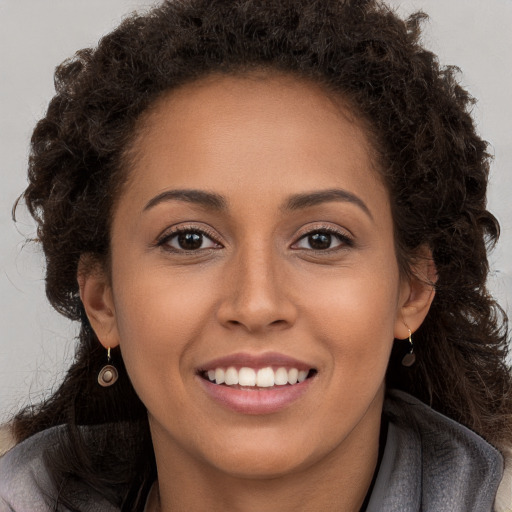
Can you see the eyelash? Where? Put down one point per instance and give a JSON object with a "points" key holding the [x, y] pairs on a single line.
{"points": [[164, 240], [345, 240]]}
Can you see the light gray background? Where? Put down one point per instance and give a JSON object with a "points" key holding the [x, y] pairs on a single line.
{"points": [[36, 344]]}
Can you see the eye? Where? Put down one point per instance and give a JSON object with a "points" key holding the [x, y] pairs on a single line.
{"points": [[323, 240], [188, 240]]}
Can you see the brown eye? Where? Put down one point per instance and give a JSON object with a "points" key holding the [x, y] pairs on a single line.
{"points": [[323, 240], [320, 241], [188, 240]]}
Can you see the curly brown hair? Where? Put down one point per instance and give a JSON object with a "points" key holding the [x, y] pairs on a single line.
{"points": [[433, 162]]}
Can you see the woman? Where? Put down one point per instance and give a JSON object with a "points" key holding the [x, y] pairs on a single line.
{"points": [[247, 206]]}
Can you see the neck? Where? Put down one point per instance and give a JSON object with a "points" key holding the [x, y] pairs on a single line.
{"points": [[337, 481], [293, 493]]}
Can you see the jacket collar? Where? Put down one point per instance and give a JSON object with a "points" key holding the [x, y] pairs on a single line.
{"points": [[432, 463]]}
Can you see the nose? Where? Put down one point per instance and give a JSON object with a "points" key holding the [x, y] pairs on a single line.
{"points": [[255, 295]]}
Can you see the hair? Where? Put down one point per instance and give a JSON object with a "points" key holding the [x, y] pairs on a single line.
{"points": [[433, 162]]}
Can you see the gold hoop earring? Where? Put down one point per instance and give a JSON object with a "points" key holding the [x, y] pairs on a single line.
{"points": [[108, 374], [410, 358]]}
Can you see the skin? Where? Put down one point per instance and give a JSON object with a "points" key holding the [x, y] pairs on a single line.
{"points": [[256, 285]]}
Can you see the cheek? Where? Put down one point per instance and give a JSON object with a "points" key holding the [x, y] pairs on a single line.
{"points": [[354, 315], [353, 320], [158, 319]]}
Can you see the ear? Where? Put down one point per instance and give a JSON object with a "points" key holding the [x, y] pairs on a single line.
{"points": [[416, 294], [97, 298]]}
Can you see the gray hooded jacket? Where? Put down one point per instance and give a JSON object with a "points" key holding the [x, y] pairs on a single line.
{"points": [[430, 464]]}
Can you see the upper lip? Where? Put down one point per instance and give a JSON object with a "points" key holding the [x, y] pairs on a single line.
{"points": [[242, 359]]}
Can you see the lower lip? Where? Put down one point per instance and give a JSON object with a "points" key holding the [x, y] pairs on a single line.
{"points": [[257, 401]]}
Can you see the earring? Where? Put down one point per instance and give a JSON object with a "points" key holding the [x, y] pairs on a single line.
{"points": [[410, 358], [108, 374]]}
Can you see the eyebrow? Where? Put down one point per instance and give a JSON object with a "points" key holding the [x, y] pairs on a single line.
{"points": [[217, 202], [206, 199], [307, 200]]}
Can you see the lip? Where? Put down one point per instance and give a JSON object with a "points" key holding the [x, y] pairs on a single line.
{"points": [[255, 401], [256, 361]]}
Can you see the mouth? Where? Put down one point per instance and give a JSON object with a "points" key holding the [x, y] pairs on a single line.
{"points": [[254, 378], [256, 384]]}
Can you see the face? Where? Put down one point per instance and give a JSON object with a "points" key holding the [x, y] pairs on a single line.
{"points": [[253, 243]]}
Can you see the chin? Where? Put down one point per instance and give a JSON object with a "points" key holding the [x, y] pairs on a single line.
{"points": [[265, 460], [262, 467]]}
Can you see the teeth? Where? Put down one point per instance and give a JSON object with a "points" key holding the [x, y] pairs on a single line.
{"points": [[219, 375], [247, 377], [302, 376], [231, 377], [281, 377], [263, 378], [293, 375]]}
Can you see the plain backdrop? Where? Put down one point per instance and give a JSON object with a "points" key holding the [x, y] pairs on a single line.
{"points": [[36, 344]]}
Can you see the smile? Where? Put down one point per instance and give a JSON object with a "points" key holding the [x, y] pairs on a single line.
{"points": [[266, 377], [256, 384]]}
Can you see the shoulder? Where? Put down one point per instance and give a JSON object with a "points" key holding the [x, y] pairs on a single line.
{"points": [[7, 440], [454, 464], [504, 496], [26, 485], [24, 481], [438, 433]]}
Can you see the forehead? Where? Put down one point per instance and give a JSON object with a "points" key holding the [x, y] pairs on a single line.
{"points": [[229, 131]]}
